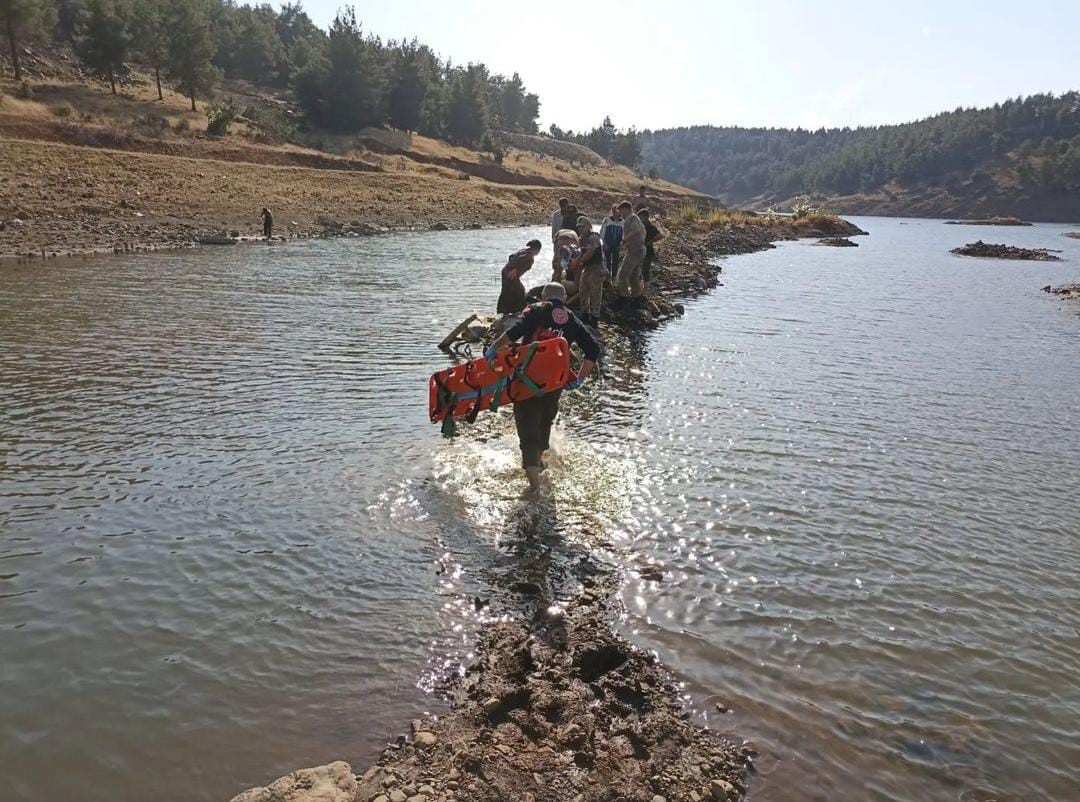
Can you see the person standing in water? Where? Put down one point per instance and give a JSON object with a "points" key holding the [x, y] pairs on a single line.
{"points": [[534, 416], [268, 223], [512, 296]]}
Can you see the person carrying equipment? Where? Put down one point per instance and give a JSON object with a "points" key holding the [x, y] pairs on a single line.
{"points": [[534, 416]]}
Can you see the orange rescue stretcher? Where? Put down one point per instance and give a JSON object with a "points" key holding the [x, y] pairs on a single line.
{"points": [[517, 373]]}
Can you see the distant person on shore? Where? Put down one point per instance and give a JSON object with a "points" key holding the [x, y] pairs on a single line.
{"points": [[592, 273], [534, 416], [268, 223], [652, 236], [642, 200], [512, 296], [569, 221], [628, 284], [557, 217], [611, 236]]}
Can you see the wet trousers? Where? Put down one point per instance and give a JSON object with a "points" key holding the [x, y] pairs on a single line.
{"points": [[533, 419], [591, 289], [628, 282]]}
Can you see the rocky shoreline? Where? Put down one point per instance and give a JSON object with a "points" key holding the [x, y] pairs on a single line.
{"points": [[556, 708], [988, 250]]}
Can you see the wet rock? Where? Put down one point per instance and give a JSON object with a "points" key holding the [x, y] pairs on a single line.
{"points": [[439, 227], [1069, 291], [992, 251], [425, 740], [838, 242], [652, 573], [333, 782], [722, 791]]}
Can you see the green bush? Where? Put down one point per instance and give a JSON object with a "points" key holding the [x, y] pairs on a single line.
{"points": [[24, 92], [220, 117], [61, 110], [268, 123]]}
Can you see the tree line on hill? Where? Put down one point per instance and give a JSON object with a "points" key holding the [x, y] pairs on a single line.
{"points": [[621, 147], [343, 79], [1038, 137]]}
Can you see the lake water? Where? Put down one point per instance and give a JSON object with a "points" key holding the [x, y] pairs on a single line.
{"points": [[231, 544]]}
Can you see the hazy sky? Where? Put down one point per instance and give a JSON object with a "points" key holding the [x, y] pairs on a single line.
{"points": [[773, 63]]}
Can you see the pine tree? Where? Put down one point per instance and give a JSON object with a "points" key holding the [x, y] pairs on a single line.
{"points": [[103, 39], [466, 112], [25, 19], [149, 38], [191, 48], [344, 88]]}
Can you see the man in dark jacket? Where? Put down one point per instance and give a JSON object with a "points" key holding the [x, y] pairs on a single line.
{"points": [[652, 236], [512, 295], [534, 416]]}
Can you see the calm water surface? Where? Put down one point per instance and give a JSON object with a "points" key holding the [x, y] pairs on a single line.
{"points": [[231, 544]]}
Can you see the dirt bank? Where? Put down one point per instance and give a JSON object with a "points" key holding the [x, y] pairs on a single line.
{"points": [[62, 199], [557, 708]]}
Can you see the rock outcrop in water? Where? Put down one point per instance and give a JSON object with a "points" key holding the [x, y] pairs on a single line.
{"points": [[838, 242], [1068, 291], [556, 709], [989, 221], [988, 250]]}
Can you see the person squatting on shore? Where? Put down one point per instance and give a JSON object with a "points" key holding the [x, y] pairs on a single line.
{"points": [[611, 235], [628, 285], [592, 273], [512, 296], [534, 416]]}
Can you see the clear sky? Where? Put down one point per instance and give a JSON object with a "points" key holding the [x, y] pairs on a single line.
{"points": [[775, 63]]}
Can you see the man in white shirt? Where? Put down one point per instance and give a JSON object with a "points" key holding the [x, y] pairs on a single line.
{"points": [[557, 218]]}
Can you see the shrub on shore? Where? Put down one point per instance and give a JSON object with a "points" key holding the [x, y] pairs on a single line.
{"points": [[220, 117], [686, 214]]}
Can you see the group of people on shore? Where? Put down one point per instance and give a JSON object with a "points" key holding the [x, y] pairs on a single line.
{"points": [[619, 255]]}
